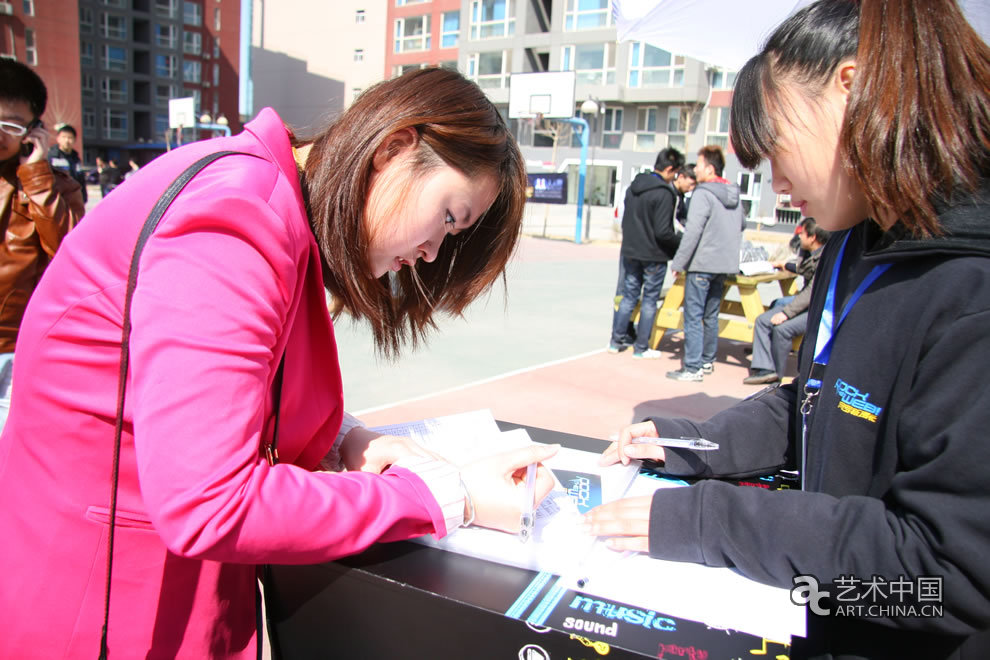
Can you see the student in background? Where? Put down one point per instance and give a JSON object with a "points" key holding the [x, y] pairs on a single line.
{"points": [[407, 206], [685, 183], [39, 206], [776, 328], [708, 252], [133, 168], [648, 241], [887, 421], [62, 156]]}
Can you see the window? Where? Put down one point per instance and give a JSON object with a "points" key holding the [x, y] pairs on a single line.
{"points": [[654, 67], [166, 66], [161, 125], [587, 14], [88, 86], [216, 18], [120, 4], [30, 47], [451, 29], [678, 121], [359, 16], [29, 7], [216, 75], [750, 185], [723, 79], [490, 70], [192, 43], [197, 96], [594, 63], [113, 27], [114, 124], [412, 33], [403, 3], [114, 90], [406, 68], [216, 46], [646, 129], [86, 53], [85, 19], [114, 58], [612, 128], [358, 54], [168, 8], [718, 127], [165, 35], [192, 71], [88, 122], [491, 19], [163, 93], [192, 13]]}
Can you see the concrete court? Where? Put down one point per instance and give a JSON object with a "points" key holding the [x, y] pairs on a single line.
{"points": [[539, 358]]}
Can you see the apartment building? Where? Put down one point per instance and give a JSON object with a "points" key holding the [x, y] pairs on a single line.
{"points": [[646, 98], [45, 35], [135, 55], [422, 33], [310, 58]]}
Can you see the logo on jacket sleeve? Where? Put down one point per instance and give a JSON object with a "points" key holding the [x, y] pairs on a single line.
{"points": [[856, 403]]}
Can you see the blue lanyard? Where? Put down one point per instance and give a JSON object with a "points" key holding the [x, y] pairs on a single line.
{"points": [[828, 326]]}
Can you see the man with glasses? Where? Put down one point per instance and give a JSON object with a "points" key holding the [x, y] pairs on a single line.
{"points": [[38, 206]]}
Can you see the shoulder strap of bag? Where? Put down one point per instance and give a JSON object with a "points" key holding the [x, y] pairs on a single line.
{"points": [[149, 227]]}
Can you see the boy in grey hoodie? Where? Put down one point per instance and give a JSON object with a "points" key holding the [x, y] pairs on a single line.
{"points": [[709, 251]]}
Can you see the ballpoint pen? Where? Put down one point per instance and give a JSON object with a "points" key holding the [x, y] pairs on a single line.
{"points": [[698, 444], [528, 517]]}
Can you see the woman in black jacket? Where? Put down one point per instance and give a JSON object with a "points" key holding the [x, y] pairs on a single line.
{"points": [[875, 116]]}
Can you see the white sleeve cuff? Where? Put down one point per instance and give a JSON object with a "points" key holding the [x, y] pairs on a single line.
{"points": [[331, 462], [444, 482]]}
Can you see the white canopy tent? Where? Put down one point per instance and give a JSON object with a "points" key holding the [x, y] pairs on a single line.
{"points": [[726, 33]]}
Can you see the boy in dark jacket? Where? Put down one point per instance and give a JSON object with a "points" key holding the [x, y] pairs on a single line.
{"points": [[648, 242]]}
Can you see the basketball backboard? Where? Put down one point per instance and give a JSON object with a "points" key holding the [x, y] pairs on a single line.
{"points": [[182, 112], [550, 94]]}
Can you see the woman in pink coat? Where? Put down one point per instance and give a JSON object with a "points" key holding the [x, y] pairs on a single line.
{"points": [[408, 205]]}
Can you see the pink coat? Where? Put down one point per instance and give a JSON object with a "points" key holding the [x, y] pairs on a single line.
{"points": [[230, 279]]}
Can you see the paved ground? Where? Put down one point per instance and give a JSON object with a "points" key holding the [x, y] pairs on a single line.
{"points": [[538, 357]]}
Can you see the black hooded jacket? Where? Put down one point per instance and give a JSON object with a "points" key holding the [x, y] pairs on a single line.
{"points": [[898, 454], [648, 219]]}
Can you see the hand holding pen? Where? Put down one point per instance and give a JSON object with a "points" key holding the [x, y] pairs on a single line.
{"points": [[498, 485], [643, 441], [623, 450]]}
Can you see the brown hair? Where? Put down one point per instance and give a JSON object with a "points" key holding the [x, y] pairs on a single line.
{"points": [[457, 125], [917, 123]]}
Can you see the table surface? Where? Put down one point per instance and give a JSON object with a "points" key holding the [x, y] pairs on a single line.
{"points": [[316, 608]]}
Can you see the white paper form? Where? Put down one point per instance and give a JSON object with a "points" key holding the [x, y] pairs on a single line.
{"points": [[558, 544], [718, 597]]}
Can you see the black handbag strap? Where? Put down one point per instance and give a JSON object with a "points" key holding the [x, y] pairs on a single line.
{"points": [[149, 227]]}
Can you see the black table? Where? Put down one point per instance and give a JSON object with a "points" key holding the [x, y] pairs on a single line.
{"points": [[406, 600]]}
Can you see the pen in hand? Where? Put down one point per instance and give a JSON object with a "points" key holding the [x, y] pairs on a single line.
{"points": [[527, 519], [697, 444]]}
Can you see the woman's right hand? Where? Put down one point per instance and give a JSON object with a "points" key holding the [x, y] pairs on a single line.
{"points": [[625, 450], [497, 485]]}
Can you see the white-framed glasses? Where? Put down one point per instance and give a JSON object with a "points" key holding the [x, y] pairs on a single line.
{"points": [[15, 130]]}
